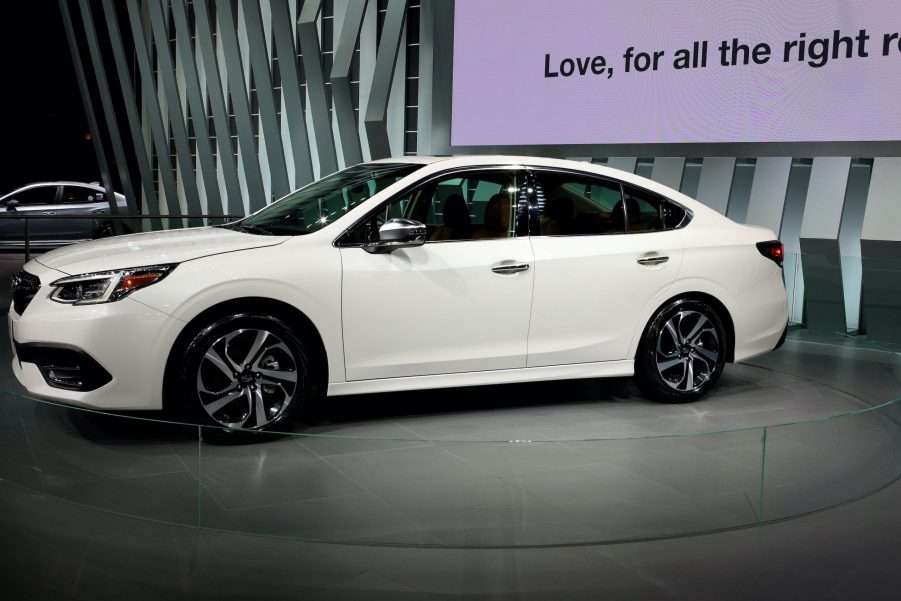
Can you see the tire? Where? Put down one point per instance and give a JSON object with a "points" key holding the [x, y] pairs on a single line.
{"points": [[104, 230], [682, 352], [245, 374]]}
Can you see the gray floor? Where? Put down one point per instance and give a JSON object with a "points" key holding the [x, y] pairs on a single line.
{"points": [[402, 475]]}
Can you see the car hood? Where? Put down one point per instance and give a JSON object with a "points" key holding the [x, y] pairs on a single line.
{"points": [[151, 248]]}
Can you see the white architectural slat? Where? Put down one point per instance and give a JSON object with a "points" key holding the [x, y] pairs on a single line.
{"points": [[825, 198], [627, 164], [237, 84], [668, 171], [768, 191], [716, 182], [882, 219]]}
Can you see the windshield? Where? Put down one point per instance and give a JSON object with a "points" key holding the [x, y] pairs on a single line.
{"points": [[313, 207]]}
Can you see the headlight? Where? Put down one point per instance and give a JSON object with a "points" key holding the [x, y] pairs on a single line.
{"points": [[106, 287]]}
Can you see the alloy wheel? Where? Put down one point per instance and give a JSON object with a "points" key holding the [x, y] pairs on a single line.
{"points": [[687, 351], [247, 379]]}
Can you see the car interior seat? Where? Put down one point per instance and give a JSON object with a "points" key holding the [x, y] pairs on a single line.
{"points": [[496, 223], [618, 216], [457, 223], [558, 216]]}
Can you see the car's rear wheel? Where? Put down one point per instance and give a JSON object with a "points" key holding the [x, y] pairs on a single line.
{"points": [[104, 230], [246, 372], [682, 353]]}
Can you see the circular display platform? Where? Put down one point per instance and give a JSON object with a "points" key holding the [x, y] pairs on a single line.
{"points": [[528, 465]]}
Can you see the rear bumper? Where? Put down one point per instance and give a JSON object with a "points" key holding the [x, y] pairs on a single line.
{"points": [[760, 317], [782, 338]]}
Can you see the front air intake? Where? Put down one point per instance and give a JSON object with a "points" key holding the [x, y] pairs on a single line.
{"points": [[23, 286], [64, 367]]}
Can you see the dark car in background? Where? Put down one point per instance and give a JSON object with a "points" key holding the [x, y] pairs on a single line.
{"points": [[58, 199]]}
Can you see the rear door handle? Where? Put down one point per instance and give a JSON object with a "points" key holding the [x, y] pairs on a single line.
{"points": [[657, 260], [506, 268], [49, 213]]}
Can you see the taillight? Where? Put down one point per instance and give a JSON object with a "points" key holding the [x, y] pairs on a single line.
{"points": [[772, 250]]}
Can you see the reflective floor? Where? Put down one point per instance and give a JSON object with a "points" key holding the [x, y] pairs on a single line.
{"points": [[531, 465], [456, 468]]}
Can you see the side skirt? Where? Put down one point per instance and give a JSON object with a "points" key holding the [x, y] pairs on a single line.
{"points": [[604, 369]]}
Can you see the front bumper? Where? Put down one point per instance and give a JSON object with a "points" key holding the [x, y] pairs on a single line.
{"points": [[65, 367], [127, 341]]}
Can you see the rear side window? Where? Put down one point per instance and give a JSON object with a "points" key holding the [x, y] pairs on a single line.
{"points": [[568, 204], [648, 212], [572, 205], [80, 195]]}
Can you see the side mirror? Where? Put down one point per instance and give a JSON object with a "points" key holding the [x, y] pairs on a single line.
{"points": [[11, 204], [397, 233]]}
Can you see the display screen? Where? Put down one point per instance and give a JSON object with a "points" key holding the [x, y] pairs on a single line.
{"points": [[640, 71]]}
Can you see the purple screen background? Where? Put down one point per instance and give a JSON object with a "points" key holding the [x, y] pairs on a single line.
{"points": [[501, 97]]}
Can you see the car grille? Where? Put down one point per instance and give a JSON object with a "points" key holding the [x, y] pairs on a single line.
{"points": [[23, 286]]}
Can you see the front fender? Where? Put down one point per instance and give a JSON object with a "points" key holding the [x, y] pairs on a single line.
{"points": [[308, 280]]}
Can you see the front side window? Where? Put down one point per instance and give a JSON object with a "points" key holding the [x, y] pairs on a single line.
{"points": [[313, 207], [39, 195], [464, 206]]}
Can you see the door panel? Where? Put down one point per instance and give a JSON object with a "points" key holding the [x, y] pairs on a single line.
{"points": [[439, 308], [38, 200], [77, 200], [591, 290], [603, 252]]}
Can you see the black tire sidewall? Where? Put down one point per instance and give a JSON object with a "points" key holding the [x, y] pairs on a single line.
{"points": [[104, 230], [220, 327], [646, 374]]}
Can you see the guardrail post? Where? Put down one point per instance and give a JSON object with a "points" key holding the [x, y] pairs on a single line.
{"points": [[27, 243], [762, 473]]}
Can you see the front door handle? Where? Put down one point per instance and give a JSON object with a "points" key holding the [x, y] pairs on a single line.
{"points": [[506, 268], [49, 213], [656, 260]]}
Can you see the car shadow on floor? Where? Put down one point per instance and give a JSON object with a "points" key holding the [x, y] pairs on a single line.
{"points": [[334, 412], [478, 398]]}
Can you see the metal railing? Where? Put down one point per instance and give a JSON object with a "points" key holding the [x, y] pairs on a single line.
{"points": [[192, 221]]}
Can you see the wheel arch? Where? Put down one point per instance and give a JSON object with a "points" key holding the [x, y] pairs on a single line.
{"points": [[292, 316], [715, 303]]}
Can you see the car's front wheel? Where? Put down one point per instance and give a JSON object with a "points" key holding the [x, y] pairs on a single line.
{"points": [[682, 353], [246, 372]]}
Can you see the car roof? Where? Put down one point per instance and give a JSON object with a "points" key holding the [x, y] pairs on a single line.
{"points": [[92, 185], [415, 159], [65, 183]]}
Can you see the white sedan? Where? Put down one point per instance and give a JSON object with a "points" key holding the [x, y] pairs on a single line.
{"points": [[403, 274]]}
